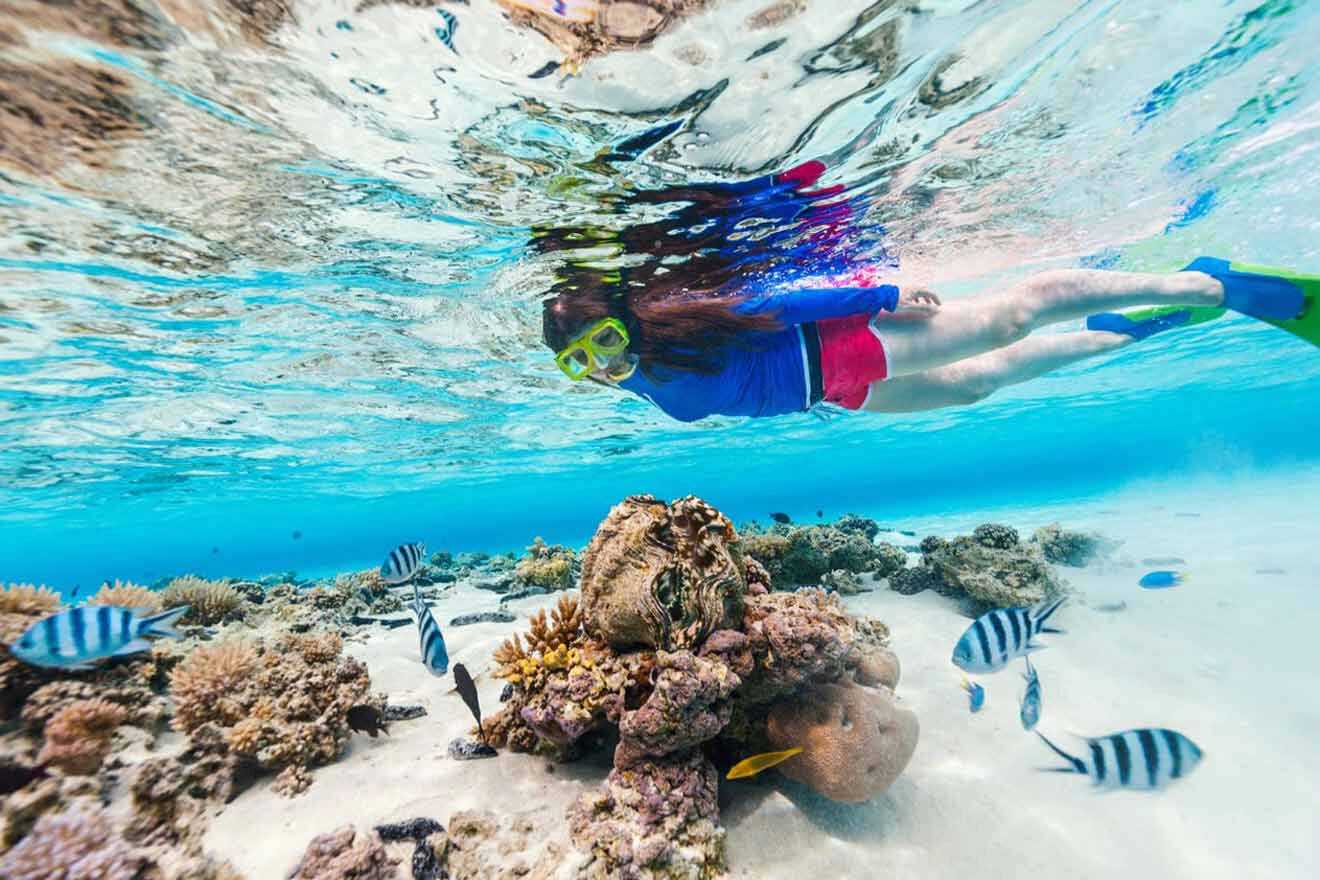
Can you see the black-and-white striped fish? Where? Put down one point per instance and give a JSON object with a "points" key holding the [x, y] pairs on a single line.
{"points": [[1004, 634], [1148, 758], [73, 639], [402, 563], [434, 655], [445, 32]]}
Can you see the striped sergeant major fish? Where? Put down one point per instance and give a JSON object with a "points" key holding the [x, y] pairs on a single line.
{"points": [[402, 563], [1147, 758], [1004, 634], [434, 655], [445, 33], [75, 638]]}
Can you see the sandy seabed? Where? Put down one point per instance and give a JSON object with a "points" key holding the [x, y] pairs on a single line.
{"points": [[1226, 659]]}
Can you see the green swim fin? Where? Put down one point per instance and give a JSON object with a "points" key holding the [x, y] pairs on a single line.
{"points": [[1307, 325], [1195, 314]]}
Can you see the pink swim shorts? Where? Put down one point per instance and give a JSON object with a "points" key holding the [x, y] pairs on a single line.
{"points": [[851, 358]]}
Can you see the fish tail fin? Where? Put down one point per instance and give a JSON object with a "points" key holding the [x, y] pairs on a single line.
{"points": [[162, 624], [418, 604], [1075, 764], [1044, 610]]}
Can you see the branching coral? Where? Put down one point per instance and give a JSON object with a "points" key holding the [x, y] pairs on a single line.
{"points": [[21, 605], [79, 844], [78, 736], [208, 602], [127, 595], [283, 706], [26, 600], [206, 686]]}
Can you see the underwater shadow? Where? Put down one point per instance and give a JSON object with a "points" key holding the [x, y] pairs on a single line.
{"points": [[869, 821]]}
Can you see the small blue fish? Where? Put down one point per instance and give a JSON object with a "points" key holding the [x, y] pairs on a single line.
{"points": [[1160, 580], [434, 654], [1030, 712], [75, 638], [975, 695], [402, 563]]}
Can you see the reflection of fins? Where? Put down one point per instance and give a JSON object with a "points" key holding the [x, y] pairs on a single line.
{"points": [[1307, 324]]}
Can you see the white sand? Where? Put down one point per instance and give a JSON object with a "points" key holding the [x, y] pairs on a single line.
{"points": [[1223, 659]]}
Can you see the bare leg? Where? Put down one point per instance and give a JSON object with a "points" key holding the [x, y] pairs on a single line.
{"points": [[967, 381], [966, 328]]}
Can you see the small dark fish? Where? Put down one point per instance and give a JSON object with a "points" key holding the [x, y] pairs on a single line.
{"points": [[781, 518], [367, 719], [1030, 712], [1160, 580], [297, 535], [1148, 758], [1163, 560], [544, 70], [15, 776], [468, 691], [215, 551], [819, 514], [76, 590], [1111, 607], [1270, 571]]}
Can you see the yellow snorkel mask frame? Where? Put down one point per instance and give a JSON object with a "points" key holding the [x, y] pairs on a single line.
{"points": [[593, 349]]}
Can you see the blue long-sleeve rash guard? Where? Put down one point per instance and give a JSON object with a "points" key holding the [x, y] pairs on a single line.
{"points": [[769, 377]]}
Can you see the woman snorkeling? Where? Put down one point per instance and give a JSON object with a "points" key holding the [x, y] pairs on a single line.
{"points": [[725, 347]]}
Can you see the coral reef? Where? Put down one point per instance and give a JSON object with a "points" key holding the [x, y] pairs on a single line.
{"points": [[991, 567], [661, 576], [78, 844], [656, 819], [551, 566], [677, 645], [345, 854], [1075, 549], [208, 602], [282, 705], [78, 736], [805, 555], [843, 582], [854, 740], [128, 595]]}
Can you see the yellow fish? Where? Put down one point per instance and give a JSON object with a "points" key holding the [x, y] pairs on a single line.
{"points": [[756, 763]]}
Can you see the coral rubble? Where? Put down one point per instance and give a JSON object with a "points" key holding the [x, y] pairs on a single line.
{"points": [[991, 567], [345, 854]]}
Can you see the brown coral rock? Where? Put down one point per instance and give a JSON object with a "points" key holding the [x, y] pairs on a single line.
{"points": [[72, 845], [661, 576], [78, 736], [344, 854], [855, 742]]}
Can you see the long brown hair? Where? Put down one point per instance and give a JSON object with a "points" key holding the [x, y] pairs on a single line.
{"points": [[687, 332]]}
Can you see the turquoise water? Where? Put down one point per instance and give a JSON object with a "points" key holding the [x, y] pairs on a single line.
{"points": [[298, 291]]}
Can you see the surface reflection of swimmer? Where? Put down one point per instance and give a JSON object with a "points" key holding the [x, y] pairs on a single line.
{"points": [[723, 347]]}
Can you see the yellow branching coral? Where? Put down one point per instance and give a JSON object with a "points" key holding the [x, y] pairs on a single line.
{"points": [[204, 685], [127, 595], [556, 642], [78, 736], [208, 601]]}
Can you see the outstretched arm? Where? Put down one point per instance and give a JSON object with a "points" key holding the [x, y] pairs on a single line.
{"points": [[800, 306]]}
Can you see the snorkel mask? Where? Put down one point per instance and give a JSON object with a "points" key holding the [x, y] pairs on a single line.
{"points": [[594, 349]]}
